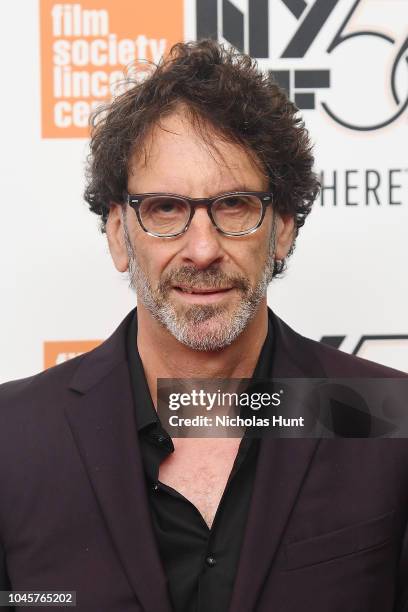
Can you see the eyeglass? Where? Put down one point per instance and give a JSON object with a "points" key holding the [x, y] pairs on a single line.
{"points": [[166, 215]]}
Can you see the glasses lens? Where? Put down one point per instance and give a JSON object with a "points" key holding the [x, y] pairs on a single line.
{"points": [[237, 213], [164, 215]]}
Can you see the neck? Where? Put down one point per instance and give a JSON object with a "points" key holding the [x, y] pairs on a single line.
{"points": [[163, 356]]}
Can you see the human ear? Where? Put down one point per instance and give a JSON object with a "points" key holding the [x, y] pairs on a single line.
{"points": [[115, 233], [285, 235]]}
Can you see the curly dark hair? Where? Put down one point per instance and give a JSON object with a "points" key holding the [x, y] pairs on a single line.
{"points": [[219, 87]]}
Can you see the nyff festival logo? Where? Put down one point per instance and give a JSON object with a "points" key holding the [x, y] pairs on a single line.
{"points": [[87, 48], [345, 58]]}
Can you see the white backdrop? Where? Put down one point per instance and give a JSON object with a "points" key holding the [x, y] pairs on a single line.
{"points": [[347, 276]]}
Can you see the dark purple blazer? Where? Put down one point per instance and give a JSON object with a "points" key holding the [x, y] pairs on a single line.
{"points": [[326, 525]]}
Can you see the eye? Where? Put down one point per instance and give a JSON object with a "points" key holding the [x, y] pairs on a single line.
{"points": [[234, 204], [165, 207], [237, 212], [233, 201]]}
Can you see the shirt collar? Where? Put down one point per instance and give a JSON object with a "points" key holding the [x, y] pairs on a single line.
{"points": [[146, 414], [145, 411]]}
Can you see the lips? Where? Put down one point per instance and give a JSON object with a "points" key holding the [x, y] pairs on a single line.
{"points": [[202, 290]]}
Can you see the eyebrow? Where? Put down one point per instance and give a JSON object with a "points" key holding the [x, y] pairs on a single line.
{"points": [[235, 189]]}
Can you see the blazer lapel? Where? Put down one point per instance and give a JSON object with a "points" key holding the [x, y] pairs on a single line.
{"points": [[281, 470], [101, 416]]}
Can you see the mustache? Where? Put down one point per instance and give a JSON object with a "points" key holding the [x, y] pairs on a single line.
{"points": [[212, 278]]}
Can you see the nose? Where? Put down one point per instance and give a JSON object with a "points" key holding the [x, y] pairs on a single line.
{"points": [[202, 242]]}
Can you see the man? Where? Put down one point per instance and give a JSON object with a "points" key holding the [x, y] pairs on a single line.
{"points": [[202, 176]]}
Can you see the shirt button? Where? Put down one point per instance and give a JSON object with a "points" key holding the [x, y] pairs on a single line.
{"points": [[161, 439], [155, 487], [210, 561]]}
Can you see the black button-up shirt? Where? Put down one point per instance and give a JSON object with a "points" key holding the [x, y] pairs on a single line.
{"points": [[200, 563]]}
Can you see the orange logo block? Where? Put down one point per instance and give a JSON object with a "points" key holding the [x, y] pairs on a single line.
{"points": [[88, 47], [56, 352]]}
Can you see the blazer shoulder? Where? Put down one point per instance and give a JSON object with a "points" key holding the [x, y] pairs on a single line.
{"points": [[331, 361], [15, 391], [339, 363], [50, 383]]}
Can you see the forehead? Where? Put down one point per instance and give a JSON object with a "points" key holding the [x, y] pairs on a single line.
{"points": [[176, 158]]}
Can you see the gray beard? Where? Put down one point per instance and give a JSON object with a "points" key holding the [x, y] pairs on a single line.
{"points": [[206, 327]]}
